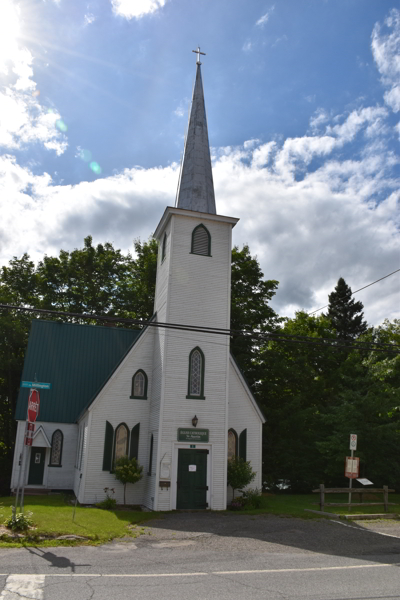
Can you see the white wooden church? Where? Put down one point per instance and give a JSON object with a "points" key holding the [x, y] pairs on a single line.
{"points": [[174, 399]]}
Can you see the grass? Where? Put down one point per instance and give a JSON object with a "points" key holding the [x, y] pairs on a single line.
{"points": [[52, 517], [293, 505]]}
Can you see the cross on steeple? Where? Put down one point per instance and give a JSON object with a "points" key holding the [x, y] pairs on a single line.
{"points": [[198, 55]]}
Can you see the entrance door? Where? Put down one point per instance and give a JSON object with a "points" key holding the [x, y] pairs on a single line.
{"points": [[192, 479], [36, 466]]}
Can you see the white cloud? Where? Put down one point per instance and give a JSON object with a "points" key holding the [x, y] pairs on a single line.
{"points": [[264, 19], [309, 225], [136, 9], [247, 46], [386, 53], [89, 18], [22, 118]]}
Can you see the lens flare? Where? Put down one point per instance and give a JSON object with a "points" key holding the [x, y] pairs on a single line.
{"points": [[96, 168], [85, 155], [61, 125]]}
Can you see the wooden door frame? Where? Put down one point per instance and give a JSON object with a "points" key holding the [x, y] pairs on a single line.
{"points": [[174, 470]]}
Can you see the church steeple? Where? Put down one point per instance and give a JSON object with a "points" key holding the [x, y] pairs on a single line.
{"points": [[196, 187]]}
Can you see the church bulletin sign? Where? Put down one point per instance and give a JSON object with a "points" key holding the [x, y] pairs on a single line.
{"points": [[192, 435]]}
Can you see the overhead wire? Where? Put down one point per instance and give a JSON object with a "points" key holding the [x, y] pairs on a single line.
{"points": [[355, 291], [272, 336]]}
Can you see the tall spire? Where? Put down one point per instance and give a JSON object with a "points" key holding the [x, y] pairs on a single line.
{"points": [[196, 187]]}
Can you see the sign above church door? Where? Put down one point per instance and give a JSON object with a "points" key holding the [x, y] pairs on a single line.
{"points": [[192, 435]]}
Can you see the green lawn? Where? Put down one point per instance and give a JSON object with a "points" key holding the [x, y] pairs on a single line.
{"points": [[293, 505], [52, 516]]}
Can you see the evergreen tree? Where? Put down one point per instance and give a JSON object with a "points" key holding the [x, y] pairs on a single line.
{"points": [[345, 314]]}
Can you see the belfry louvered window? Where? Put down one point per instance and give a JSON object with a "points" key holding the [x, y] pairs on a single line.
{"points": [[196, 374], [201, 241]]}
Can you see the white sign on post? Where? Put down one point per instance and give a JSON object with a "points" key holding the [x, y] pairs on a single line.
{"points": [[353, 441]]}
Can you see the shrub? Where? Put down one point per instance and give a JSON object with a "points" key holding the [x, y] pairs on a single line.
{"points": [[240, 473], [127, 470], [109, 502], [254, 499], [21, 521]]}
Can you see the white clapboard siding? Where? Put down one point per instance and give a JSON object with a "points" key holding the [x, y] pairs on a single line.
{"points": [[243, 414], [114, 404], [198, 294], [54, 477]]}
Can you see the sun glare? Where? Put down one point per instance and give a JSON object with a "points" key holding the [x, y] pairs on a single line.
{"points": [[9, 31]]}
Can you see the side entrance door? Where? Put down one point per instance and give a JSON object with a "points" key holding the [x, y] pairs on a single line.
{"points": [[192, 479], [36, 466]]}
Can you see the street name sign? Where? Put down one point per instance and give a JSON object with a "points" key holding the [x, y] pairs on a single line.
{"points": [[36, 384]]}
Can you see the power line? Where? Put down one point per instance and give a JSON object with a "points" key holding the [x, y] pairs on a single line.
{"points": [[355, 292], [277, 337]]}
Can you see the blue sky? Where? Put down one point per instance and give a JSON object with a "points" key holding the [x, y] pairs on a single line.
{"points": [[303, 104]]}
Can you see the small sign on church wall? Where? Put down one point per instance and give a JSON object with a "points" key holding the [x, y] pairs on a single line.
{"points": [[192, 435]]}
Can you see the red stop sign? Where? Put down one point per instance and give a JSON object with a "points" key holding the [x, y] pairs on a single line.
{"points": [[33, 405]]}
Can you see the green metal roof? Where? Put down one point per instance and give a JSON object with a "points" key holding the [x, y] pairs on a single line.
{"points": [[76, 359]]}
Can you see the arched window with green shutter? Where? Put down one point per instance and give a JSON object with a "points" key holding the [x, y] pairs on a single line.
{"points": [[201, 241], [121, 442]]}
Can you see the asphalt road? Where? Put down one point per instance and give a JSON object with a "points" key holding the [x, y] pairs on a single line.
{"points": [[211, 556]]}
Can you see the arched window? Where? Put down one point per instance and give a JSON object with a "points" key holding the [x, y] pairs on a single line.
{"points": [[196, 374], [201, 241], [121, 442], [56, 448], [139, 385], [232, 444], [164, 247]]}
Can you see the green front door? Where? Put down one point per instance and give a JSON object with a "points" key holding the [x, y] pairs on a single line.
{"points": [[36, 466], [192, 479]]}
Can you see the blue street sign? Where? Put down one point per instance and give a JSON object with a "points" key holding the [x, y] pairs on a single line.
{"points": [[36, 384]]}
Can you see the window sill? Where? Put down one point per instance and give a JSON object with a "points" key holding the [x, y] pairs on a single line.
{"points": [[189, 397], [197, 254], [138, 397], [56, 466]]}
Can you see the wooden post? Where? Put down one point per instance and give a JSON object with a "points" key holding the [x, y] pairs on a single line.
{"points": [[385, 497], [321, 496]]}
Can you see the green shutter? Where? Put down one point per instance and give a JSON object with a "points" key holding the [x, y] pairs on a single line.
{"points": [[108, 446], [151, 455], [134, 448], [243, 444]]}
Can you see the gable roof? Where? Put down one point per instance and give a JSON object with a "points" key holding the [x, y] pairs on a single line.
{"points": [[76, 359]]}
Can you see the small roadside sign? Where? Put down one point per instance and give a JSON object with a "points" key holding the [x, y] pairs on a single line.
{"points": [[33, 405], [364, 481], [352, 467], [353, 441], [36, 384]]}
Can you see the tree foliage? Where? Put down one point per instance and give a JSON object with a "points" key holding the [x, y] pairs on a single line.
{"points": [[345, 313], [240, 473], [127, 470]]}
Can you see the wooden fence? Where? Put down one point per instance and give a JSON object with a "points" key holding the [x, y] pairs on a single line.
{"points": [[360, 491]]}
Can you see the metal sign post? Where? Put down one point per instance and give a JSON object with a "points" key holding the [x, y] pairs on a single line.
{"points": [[32, 413], [353, 446]]}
